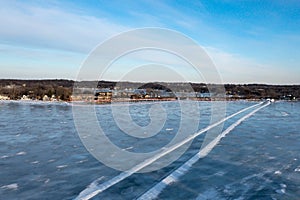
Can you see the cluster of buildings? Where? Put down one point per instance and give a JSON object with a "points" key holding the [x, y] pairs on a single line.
{"points": [[27, 98], [104, 95], [2, 97], [153, 92]]}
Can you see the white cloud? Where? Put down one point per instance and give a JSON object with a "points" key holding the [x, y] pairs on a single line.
{"points": [[57, 32], [52, 27], [237, 69], [47, 42]]}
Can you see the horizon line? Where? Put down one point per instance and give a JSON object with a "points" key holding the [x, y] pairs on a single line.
{"points": [[130, 81]]}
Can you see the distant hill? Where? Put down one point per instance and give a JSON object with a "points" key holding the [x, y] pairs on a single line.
{"points": [[62, 89]]}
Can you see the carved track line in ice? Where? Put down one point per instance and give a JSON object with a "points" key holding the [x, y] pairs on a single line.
{"points": [[90, 192], [175, 175]]}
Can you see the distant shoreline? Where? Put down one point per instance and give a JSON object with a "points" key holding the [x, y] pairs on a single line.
{"points": [[62, 90], [133, 102]]}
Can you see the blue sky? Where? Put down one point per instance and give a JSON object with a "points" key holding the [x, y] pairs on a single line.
{"points": [[249, 41]]}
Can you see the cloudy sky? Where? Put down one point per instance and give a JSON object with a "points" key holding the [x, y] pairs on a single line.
{"points": [[248, 41]]}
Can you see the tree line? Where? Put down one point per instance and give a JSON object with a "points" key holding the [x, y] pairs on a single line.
{"points": [[62, 89], [36, 89]]}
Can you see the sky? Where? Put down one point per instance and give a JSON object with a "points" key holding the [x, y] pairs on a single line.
{"points": [[248, 41]]}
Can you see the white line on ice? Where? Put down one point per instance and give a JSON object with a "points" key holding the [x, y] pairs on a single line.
{"points": [[175, 175], [90, 192]]}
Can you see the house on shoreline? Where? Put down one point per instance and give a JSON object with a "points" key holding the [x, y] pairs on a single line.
{"points": [[104, 94], [2, 97]]}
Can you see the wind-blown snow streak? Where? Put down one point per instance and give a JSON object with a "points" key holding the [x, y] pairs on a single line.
{"points": [[175, 175], [90, 192]]}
